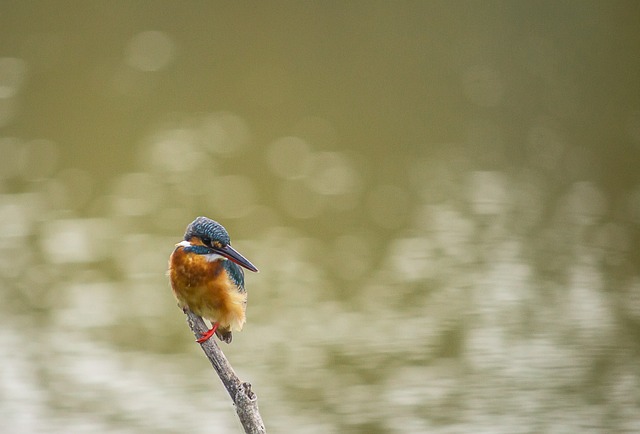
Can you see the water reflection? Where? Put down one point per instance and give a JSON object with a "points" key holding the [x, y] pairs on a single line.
{"points": [[460, 320]]}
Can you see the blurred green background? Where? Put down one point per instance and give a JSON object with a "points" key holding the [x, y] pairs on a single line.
{"points": [[443, 199]]}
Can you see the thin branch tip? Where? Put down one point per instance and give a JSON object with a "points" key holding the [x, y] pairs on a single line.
{"points": [[243, 397]]}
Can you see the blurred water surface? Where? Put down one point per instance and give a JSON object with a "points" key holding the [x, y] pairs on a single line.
{"points": [[443, 200]]}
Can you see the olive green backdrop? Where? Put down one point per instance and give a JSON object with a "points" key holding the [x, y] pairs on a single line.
{"points": [[443, 199]]}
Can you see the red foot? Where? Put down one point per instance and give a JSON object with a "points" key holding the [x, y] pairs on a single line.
{"points": [[206, 335]]}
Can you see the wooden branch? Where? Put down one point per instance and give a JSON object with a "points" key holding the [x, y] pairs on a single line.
{"points": [[245, 401]]}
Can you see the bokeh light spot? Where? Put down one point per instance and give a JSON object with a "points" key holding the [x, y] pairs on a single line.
{"points": [[150, 51], [411, 258], [76, 240], [333, 174], [90, 304], [289, 157], [12, 75], [13, 217], [174, 150], [224, 133], [488, 192], [585, 202]]}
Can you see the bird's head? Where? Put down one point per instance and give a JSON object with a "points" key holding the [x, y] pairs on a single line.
{"points": [[207, 237]]}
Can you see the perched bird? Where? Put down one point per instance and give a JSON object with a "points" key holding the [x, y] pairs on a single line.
{"points": [[206, 277]]}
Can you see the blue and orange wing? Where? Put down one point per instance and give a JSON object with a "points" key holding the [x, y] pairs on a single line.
{"points": [[235, 274]]}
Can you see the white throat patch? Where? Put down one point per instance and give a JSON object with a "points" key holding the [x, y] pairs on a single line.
{"points": [[214, 257], [210, 257]]}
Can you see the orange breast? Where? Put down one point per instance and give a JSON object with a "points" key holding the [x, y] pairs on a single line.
{"points": [[204, 287]]}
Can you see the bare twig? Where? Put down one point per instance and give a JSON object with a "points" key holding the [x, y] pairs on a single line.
{"points": [[245, 401]]}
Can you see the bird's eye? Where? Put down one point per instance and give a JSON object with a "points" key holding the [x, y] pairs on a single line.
{"points": [[206, 241]]}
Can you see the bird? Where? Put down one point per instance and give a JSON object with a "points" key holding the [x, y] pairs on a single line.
{"points": [[207, 278]]}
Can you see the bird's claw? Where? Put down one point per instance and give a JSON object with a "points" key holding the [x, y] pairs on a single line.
{"points": [[206, 335]]}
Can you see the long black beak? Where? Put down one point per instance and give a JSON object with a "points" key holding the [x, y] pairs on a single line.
{"points": [[233, 255]]}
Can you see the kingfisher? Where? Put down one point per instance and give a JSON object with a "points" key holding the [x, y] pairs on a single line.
{"points": [[207, 278]]}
